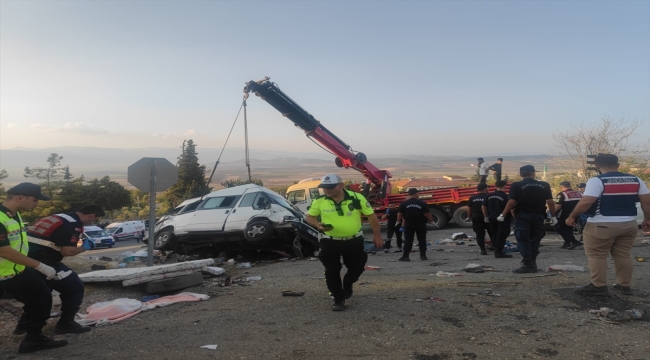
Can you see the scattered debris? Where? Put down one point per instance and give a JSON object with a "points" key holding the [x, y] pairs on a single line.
{"points": [[645, 242], [370, 267], [97, 267], [527, 332], [254, 278], [214, 270], [489, 292], [446, 274], [244, 265], [540, 275], [565, 275], [437, 263], [292, 293], [460, 242], [437, 299], [418, 300], [612, 316], [312, 259], [459, 235], [566, 268], [211, 347], [640, 259]]}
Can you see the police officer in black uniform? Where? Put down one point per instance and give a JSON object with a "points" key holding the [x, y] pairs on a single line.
{"points": [[475, 213], [565, 202], [496, 167], [50, 240], [392, 227], [413, 214], [529, 199], [493, 206]]}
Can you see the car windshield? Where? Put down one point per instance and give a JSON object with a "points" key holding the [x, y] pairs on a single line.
{"points": [[277, 199], [96, 233], [110, 230]]}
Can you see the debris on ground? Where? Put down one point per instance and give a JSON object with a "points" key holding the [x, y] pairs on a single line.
{"points": [[490, 292], [437, 299], [244, 265], [459, 235], [254, 278], [640, 259], [612, 316], [447, 274], [141, 275], [566, 268], [211, 347], [370, 267], [292, 293], [213, 270]]}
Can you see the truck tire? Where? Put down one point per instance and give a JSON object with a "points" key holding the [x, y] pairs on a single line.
{"points": [[460, 217], [164, 240], [439, 218], [258, 230], [173, 284]]}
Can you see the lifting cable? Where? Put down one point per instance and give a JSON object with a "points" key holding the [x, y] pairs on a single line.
{"points": [[224, 145], [248, 160]]}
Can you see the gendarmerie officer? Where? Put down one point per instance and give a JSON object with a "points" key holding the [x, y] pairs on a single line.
{"points": [[21, 275], [529, 199], [493, 206], [475, 213], [413, 214], [392, 227], [338, 216], [565, 202], [50, 240], [610, 203]]}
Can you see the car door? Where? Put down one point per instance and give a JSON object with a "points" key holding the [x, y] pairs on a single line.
{"points": [[299, 199], [211, 214], [251, 204]]}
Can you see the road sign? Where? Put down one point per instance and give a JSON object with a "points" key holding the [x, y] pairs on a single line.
{"points": [[140, 174], [152, 175]]}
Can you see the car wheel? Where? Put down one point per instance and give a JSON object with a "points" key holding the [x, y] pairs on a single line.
{"points": [[258, 230], [164, 240], [461, 219]]}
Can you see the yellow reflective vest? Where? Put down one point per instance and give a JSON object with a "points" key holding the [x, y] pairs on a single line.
{"points": [[17, 240]]}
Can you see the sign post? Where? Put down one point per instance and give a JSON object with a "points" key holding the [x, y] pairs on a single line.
{"points": [[152, 175]]}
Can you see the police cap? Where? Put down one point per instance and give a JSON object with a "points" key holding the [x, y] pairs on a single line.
{"points": [[28, 189]]}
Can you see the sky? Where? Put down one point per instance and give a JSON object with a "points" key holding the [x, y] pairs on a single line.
{"points": [[387, 77]]}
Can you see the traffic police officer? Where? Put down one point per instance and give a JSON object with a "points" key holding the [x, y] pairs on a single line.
{"points": [[340, 214], [475, 213], [19, 274], [413, 214], [392, 227], [529, 199], [610, 203], [50, 240], [565, 202], [493, 206]]}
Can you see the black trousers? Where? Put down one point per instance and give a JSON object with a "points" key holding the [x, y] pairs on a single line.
{"points": [[29, 288], [497, 176], [565, 231], [410, 232], [71, 289], [354, 259], [390, 230], [501, 231], [482, 179], [480, 227], [529, 231]]}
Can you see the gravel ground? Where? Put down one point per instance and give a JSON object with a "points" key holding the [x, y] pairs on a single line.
{"points": [[390, 316]]}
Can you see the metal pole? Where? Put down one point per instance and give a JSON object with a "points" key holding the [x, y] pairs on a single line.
{"points": [[248, 161], [152, 212]]}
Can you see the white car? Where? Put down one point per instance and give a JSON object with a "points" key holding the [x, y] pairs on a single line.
{"points": [[246, 216]]}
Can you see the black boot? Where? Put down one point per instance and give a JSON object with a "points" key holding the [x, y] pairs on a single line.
{"points": [[39, 342], [70, 327], [574, 244], [483, 252], [500, 255], [565, 245], [347, 291], [527, 266], [21, 327]]}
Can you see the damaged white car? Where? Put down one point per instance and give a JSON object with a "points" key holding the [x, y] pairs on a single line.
{"points": [[242, 217]]}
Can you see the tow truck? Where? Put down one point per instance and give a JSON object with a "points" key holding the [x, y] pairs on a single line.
{"points": [[445, 204]]}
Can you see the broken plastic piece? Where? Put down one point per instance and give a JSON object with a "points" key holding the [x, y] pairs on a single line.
{"points": [[566, 268], [370, 267], [211, 347]]}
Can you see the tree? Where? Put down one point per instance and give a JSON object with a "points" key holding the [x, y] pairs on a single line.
{"points": [[67, 176], [104, 192], [191, 176], [607, 136], [3, 175], [232, 183], [50, 174]]}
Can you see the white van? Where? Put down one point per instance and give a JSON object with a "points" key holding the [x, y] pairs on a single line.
{"points": [[100, 237], [125, 230]]}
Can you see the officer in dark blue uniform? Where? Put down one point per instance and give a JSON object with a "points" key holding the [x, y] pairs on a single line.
{"points": [[50, 240], [413, 214], [529, 199], [475, 213], [493, 206]]}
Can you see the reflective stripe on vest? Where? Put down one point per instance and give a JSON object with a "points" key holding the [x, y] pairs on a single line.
{"points": [[619, 197], [47, 243], [17, 240]]}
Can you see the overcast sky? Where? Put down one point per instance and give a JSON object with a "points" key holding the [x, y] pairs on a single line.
{"points": [[409, 77]]}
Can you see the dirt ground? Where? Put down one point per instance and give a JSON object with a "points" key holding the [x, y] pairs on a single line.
{"points": [[390, 316]]}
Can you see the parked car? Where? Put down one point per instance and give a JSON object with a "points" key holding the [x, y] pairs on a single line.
{"points": [[125, 230], [100, 237], [242, 217]]}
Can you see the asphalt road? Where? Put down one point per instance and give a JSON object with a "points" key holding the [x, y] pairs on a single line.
{"points": [[119, 247]]}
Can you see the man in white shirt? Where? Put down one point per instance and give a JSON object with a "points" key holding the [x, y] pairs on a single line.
{"points": [[610, 203], [483, 170]]}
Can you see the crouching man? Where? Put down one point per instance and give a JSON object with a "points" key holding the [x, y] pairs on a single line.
{"points": [[50, 240]]}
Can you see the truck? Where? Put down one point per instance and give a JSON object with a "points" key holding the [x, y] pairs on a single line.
{"points": [[445, 204]]}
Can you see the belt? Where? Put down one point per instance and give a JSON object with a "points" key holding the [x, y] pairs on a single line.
{"points": [[327, 237], [42, 242]]}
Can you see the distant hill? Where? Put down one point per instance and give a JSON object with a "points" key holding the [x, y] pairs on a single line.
{"points": [[273, 167]]}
